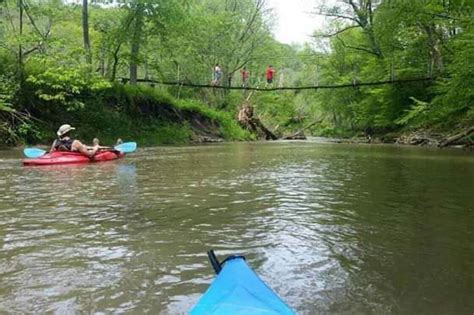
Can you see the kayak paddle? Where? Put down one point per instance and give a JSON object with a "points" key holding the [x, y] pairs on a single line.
{"points": [[126, 147], [33, 152]]}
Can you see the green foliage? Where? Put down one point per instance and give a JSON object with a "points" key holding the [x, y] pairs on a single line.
{"points": [[63, 85], [157, 134], [181, 40], [277, 110], [334, 132], [8, 115], [415, 113], [142, 114], [229, 128], [140, 93], [455, 101], [8, 90], [416, 39]]}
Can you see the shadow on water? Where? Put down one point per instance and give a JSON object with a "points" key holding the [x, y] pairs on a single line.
{"points": [[332, 228]]}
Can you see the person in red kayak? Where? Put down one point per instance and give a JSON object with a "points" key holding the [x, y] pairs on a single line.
{"points": [[270, 74], [66, 143]]}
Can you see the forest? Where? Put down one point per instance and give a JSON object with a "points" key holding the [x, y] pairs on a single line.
{"points": [[143, 69]]}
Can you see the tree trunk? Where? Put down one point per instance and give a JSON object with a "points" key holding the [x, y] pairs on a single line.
{"points": [[436, 64], [20, 48], [247, 120], [85, 31], [102, 62], [135, 47], [146, 69], [456, 137], [115, 63], [334, 118], [299, 135], [134, 62]]}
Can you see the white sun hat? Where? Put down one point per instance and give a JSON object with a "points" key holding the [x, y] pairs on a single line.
{"points": [[64, 129]]}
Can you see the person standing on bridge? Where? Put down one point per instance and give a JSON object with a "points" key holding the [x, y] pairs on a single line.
{"points": [[245, 77], [270, 73], [216, 75]]}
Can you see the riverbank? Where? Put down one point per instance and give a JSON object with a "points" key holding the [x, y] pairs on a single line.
{"points": [[151, 116], [147, 115], [413, 139], [462, 137]]}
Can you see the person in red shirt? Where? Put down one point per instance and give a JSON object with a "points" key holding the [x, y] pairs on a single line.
{"points": [[245, 76], [270, 74]]}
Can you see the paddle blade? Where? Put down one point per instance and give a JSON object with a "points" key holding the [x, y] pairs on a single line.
{"points": [[127, 147], [33, 152]]}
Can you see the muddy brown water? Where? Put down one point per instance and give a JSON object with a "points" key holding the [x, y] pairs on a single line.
{"points": [[332, 228]]}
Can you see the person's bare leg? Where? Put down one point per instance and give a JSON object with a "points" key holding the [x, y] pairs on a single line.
{"points": [[79, 147]]}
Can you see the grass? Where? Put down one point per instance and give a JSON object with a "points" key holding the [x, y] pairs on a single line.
{"points": [[115, 112]]}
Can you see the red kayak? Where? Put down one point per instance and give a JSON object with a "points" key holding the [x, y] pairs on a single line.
{"points": [[62, 157]]}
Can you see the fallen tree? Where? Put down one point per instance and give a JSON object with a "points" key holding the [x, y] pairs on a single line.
{"points": [[299, 135], [247, 120], [459, 136]]}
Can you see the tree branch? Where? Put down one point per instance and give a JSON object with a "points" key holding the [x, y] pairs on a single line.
{"points": [[337, 32], [357, 48], [26, 8], [258, 7], [10, 18], [443, 16], [354, 6], [337, 16], [29, 51]]}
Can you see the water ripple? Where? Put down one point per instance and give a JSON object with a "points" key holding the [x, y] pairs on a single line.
{"points": [[333, 229]]}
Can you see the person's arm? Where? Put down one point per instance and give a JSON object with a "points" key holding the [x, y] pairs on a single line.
{"points": [[53, 146]]}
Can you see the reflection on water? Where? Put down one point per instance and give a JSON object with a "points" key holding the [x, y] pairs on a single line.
{"points": [[332, 228]]}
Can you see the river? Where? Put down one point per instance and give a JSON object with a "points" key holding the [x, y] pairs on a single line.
{"points": [[332, 228]]}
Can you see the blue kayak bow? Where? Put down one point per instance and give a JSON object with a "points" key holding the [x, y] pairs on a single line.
{"points": [[126, 147], [238, 290]]}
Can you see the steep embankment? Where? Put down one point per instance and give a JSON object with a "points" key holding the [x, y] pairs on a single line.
{"points": [[138, 113]]}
